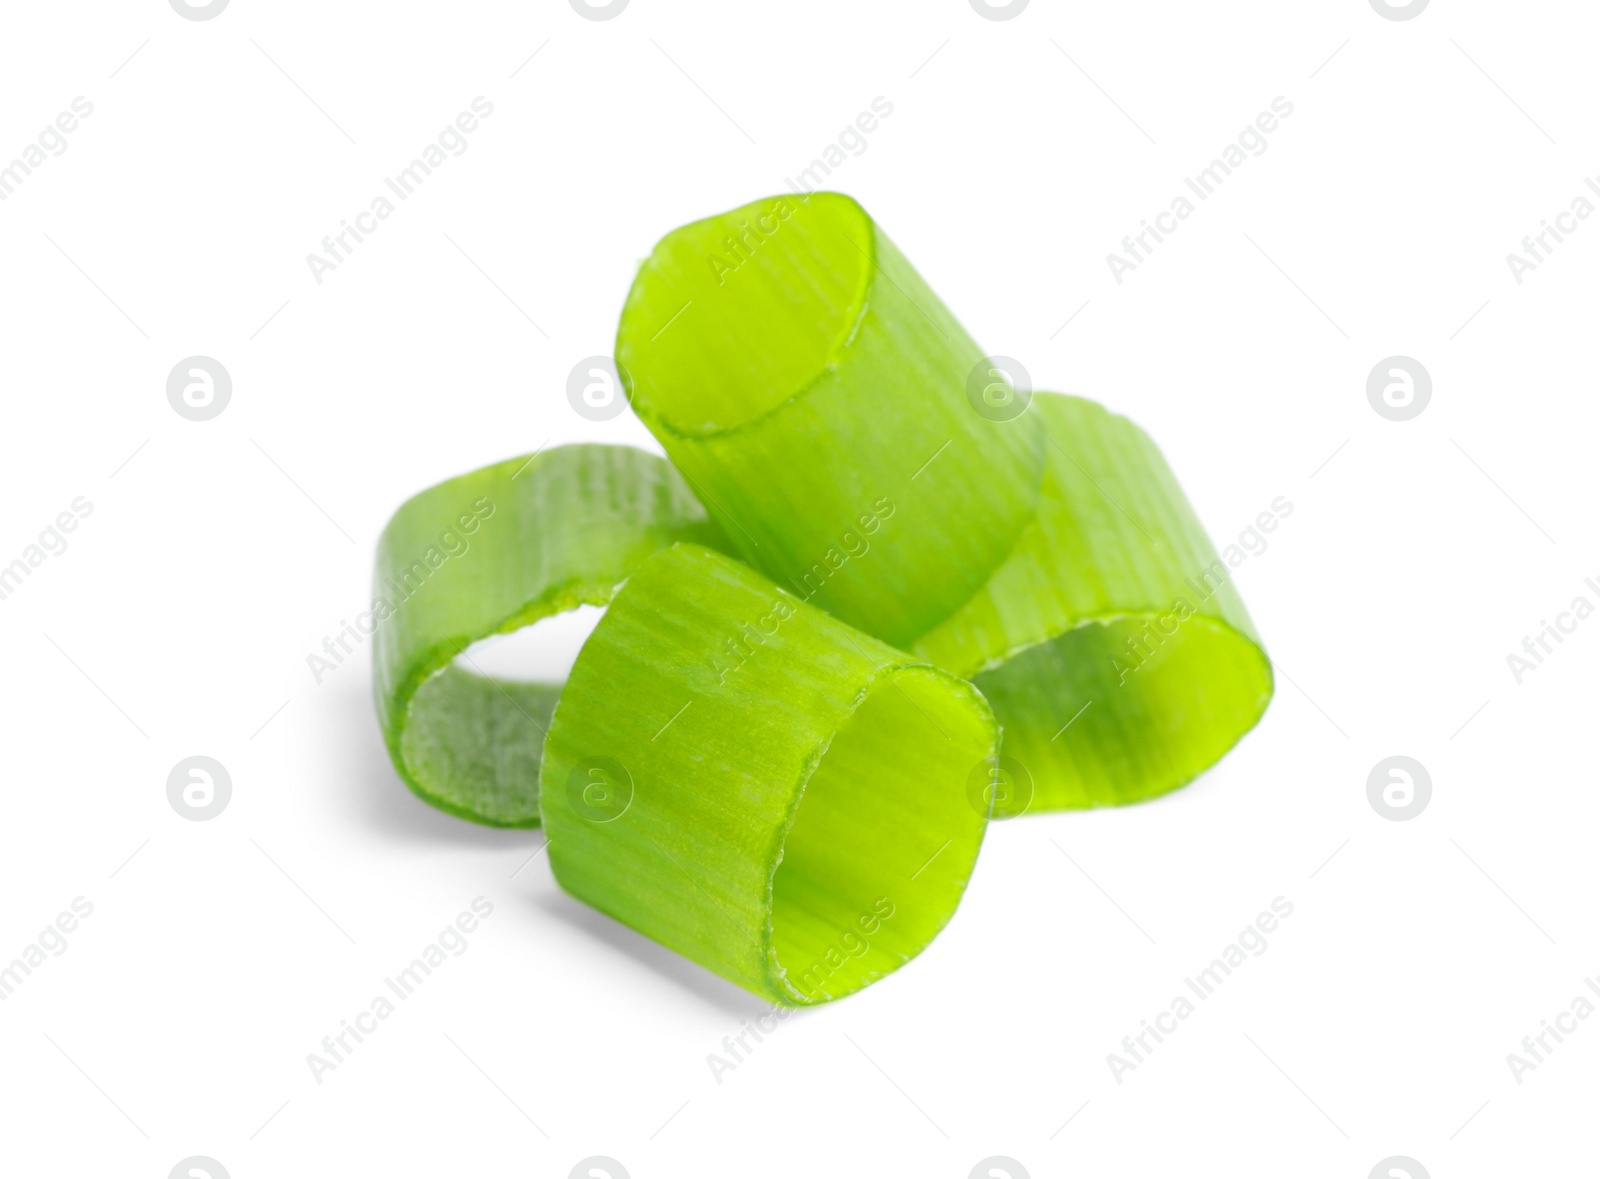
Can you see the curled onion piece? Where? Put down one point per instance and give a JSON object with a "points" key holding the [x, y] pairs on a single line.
{"points": [[810, 385], [758, 786], [486, 553], [1111, 644]]}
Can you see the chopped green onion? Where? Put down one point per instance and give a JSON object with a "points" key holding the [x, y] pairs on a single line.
{"points": [[821, 401], [1112, 645], [759, 787], [809, 385], [486, 553]]}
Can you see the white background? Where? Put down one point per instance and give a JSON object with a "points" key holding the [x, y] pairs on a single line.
{"points": [[178, 1020]]}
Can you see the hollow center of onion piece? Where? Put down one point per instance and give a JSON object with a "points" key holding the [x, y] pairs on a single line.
{"points": [[1131, 713], [733, 315], [885, 836]]}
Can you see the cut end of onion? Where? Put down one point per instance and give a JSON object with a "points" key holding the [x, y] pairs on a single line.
{"points": [[884, 839], [733, 315], [758, 786]]}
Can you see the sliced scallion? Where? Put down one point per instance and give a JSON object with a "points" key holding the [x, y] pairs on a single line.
{"points": [[486, 553], [753, 783], [804, 378], [1111, 644]]}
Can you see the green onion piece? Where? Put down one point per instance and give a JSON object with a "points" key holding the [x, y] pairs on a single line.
{"points": [[486, 553], [1112, 645], [758, 786], [809, 385]]}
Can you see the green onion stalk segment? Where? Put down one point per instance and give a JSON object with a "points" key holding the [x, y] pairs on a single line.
{"points": [[830, 412], [1111, 643], [733, 771], [809, 385], [755, 784], [489, 552]]}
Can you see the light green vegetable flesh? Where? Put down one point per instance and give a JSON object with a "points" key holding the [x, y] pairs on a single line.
{"points": [[814, 392], [1111, 644], [732, 771], [760, 787], [799, 372], [486, 553]]}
